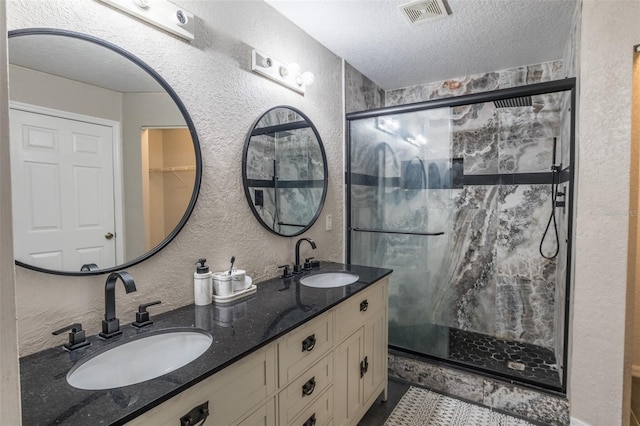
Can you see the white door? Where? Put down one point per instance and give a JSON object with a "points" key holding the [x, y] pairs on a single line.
{"points": [[63, 191]]}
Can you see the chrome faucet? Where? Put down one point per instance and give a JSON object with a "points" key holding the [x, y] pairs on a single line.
{"points": [[111, 324], [297, 269]]}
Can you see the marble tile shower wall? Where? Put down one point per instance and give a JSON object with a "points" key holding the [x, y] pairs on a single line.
{"points": [[500, 285], [361, 94], [476, 83], [489, 276]]}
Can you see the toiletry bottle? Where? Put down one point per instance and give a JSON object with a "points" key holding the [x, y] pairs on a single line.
{"points": [[202, 284]]}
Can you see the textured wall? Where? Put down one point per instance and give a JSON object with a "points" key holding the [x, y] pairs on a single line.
{"points": [[599, 379], [213, 77], [9, 375]]}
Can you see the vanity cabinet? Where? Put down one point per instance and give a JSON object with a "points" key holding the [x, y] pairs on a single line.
{"points": [[328, 371]]}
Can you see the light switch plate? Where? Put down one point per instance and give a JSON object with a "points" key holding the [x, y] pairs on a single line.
{"points": [[329, 224]]}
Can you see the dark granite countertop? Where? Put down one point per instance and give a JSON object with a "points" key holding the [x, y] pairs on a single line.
{"points": [[238, 329]]}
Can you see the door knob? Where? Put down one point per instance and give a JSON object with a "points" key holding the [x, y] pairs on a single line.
{"points": [[108, 235]]}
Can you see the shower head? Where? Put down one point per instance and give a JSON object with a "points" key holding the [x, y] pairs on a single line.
{"points": [[520, 101]]}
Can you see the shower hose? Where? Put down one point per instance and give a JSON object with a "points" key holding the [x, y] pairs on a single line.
{"points": [[555, 181]]}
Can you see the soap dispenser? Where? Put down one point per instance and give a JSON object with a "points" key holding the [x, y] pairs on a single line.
{"points": [[202, 283]]}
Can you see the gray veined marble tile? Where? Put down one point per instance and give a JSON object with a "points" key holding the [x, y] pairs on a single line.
{"points": [[525, 155], [407, 95], [528, 123], [455, 382], [480, 151], [361, 93], [525, 310], [474, 117], [472, 266], [534, 405], [525, 297], [524, 212], [476, 197]]}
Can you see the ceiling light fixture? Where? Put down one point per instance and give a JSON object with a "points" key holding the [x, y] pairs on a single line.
{"points": [[290, 75]]}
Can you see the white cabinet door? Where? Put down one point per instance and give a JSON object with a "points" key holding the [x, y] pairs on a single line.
{"points": [[375, 354], [63, 191], [349, 398]]}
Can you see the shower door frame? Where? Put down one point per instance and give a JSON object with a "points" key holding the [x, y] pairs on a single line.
{"points": [[568, 173]]}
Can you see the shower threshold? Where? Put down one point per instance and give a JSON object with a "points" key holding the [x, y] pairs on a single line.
{"points": [[523, 362]]}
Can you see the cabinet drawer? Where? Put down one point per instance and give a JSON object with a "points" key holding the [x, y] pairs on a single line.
{"points": [[319, 413], [231, 393], [295, 397], [304, 346], [351, 314], [263, 416]]}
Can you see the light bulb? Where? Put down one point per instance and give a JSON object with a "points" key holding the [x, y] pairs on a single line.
{"points": [[294, 70], [284, 71], [308, 78]]}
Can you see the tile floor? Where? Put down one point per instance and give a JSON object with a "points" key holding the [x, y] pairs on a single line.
{"points": [[380, 411]]}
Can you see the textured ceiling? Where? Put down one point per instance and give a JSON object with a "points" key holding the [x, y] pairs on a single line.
{"points": [[478, 36]]}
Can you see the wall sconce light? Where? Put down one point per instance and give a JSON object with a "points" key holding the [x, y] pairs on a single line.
{"points": [[160, 13], [288, 75]]}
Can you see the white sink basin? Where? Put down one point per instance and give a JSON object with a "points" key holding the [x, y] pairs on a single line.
{"points": [[329, 279], [140, 358]]}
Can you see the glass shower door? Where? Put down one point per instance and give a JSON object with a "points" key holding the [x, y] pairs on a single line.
{"points": [[401, 182]]}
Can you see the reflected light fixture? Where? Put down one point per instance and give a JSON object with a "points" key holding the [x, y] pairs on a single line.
{"points": [[289, 75], [160, 13]]}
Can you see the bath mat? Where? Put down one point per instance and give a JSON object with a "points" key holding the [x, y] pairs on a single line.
{"points": [[420, 407]]}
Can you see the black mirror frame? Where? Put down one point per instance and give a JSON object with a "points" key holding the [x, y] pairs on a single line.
{"points": [[187, 118], [245, 179]]}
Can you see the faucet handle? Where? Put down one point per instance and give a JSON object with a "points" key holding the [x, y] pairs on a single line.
{"points": [[142, 316], [287, 272], [77, 338], [307, 263]]}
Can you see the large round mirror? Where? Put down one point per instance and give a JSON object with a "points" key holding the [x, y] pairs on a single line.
{"points": [[284, 171], [106, 163]]}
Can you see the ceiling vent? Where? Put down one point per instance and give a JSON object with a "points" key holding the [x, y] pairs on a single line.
{"points": [[420, 11]]}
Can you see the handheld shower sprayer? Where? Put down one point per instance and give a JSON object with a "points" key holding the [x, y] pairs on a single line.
{"points": [[555, 181]]}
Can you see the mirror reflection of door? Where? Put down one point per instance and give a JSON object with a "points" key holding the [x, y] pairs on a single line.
{"points": [[62, 165], [168, 176]]}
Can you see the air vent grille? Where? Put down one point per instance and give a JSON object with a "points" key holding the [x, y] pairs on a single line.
{"points": [[522, 101], [423, 10]]}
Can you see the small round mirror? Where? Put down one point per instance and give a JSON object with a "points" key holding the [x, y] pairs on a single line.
{"points": [[284, 171]]}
